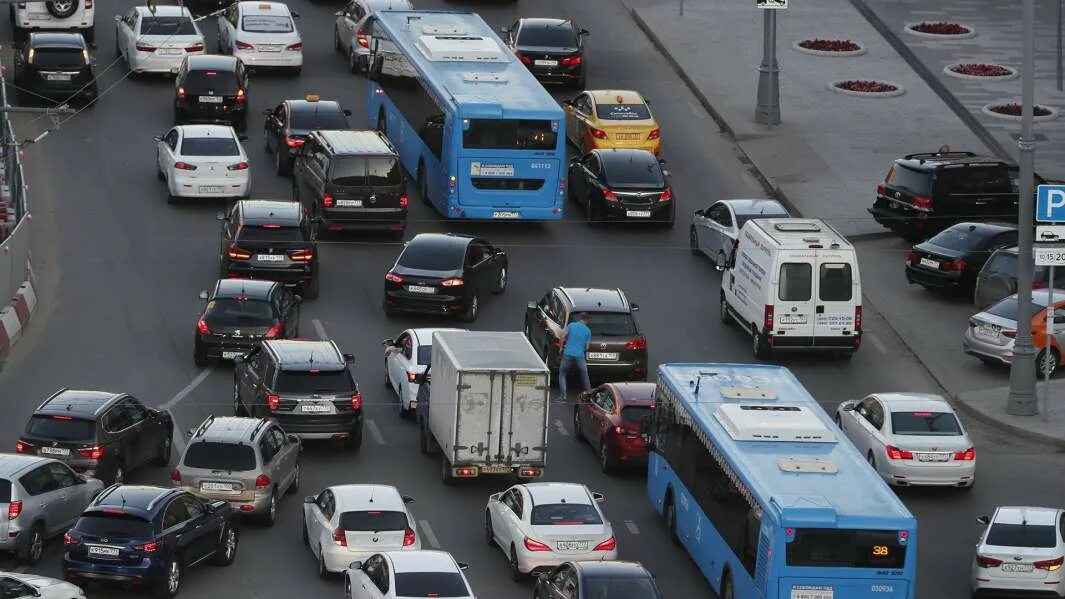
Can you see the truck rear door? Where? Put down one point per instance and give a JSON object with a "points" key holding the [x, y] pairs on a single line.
{"points": [[836, 297], [793, 306], [524, 418]]}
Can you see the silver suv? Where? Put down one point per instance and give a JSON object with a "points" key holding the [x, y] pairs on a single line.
{"points": [[54, 15], [248, 462], [42, 498]]}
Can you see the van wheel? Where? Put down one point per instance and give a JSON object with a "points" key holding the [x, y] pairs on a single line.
{"points": [[759, 345], [382, 124], [726, 317], [1041, 362], [670, 513]]}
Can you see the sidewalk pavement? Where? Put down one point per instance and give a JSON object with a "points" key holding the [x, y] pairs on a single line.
{"points": [[831, 150]]}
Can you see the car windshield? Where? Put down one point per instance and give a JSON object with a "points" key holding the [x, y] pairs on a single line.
{"points": [[962, 238], [58, 58], [61, 428], [635, 414], [267, 24], [609, 324], [1007, 309], [372, 171], [259, 234], [425, 354], [637, 170], [115, 526], [329, 119], [564, 513], [321, 382], [1022, 535], [209, 146], [925, 423], [430, 584], [561, 35], [221, 82], [167, 26], [624, 588], [234, 312], [432, 256], [622, 112], [373, 521], [209, 455]]}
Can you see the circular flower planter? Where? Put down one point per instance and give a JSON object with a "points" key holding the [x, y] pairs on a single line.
{"points": [[981, 71], [829, 47], [1011, 111], [866, 88], [941, 30]]}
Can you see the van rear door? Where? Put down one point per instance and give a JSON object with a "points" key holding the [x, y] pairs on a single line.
{"points": [[837, 295], [793, 310]]}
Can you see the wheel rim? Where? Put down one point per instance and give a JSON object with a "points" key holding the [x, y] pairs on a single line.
{"points": [[473, 306], [61, 5], [231, 543], [166, 449], [693, 240], [173, 578], [36, 545], [120, 476], [503, 278], [273, 506]]}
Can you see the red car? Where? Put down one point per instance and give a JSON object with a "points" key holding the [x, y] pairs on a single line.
{"points": [[609, 418]]}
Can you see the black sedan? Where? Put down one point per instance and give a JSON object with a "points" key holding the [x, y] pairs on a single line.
{"points": [[239, 314], [289, 122], [596, 580], [622, 184], [211, 89], [954, 257], [552, 49], [440, 273]]}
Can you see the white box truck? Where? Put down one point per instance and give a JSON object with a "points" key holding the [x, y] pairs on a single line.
{"points": [[488, 405]]}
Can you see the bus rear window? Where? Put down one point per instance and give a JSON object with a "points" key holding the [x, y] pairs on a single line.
{"points": [[509, 134], [831, 548]]}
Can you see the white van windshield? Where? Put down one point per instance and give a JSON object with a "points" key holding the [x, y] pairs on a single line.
{"points": [[796, 282]]}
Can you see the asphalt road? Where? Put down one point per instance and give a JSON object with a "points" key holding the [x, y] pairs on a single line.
{"points": [[120, 271]]}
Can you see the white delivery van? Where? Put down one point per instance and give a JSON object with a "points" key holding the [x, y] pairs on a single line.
{"points": [[794, 285]]}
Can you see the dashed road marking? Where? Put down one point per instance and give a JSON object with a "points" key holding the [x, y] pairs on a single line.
{"points": [[188, 388], [561, 429], [877, 343], [177, 440], [629, 524], [375, 433], [427, 532], [319, 329], [698, 110]]}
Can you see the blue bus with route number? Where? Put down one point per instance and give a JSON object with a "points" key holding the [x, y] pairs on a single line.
{"points": [[479, 134], [768, 497]]}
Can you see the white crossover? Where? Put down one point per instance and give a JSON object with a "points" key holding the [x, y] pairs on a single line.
{"points": [[406, 357], [910, 439], [345, 523], [1021, 551], [541, 525], [261, 35], [407, 574], [203, 161], [32, 586], [157, 43]]}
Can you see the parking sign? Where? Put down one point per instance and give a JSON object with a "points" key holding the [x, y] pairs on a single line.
{"points": [[1050, 203]]}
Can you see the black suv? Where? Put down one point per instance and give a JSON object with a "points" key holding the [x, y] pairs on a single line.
{"points": [[925, 193], [56, 66], [99, 433], [618, 349], [351, 181], [289, 123], [267, 239], [211, 89], [239, 314], [552, 49], [306, 386], [622, 184], [148, 536]]}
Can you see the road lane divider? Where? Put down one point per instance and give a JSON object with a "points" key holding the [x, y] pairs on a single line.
{"points": [[319, 329], [561, 428], [375, 432], [428, 534]]}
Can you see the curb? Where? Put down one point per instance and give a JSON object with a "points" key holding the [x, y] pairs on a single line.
{"points": [[1020, 432], [15, 317]]}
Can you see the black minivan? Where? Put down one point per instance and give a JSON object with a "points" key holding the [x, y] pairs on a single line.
{"points": [[211, 89], [351, 181]]}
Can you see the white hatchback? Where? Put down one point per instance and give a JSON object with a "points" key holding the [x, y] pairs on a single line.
{"points": [[29, 586], [262, 34], [157, 43], [541, 525], [407, 574], [1022, 551], [203, 161], [406, 357]]}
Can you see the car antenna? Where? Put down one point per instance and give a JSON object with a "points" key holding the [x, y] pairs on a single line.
{"points": [[372, 491]]}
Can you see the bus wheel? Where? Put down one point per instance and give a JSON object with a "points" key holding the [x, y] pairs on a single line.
{"points": [[726, 586], [382, 125], [423, 185], [671, 520]]}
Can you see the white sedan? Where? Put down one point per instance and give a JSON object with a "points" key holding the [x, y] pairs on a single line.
{"points": [[157, 43], [541, 525], [395, 575], [32, 586], [910, 439], [1021, 551], [203, 161], [262, 35], [406, 357], [715, 230], [345, 523]]}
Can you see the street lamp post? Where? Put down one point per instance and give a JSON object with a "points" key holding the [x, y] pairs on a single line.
{"points": [[768, 109], [1022, 397]]}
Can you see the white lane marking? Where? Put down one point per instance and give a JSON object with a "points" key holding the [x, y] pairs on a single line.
{"points": [[629, 524], [877, 343], [318, 328], [698, 110], [188, 388], [427, 532], [177, 441], [561, 429], [375, 432]]}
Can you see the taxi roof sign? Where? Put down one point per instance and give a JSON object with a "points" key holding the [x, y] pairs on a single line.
{"points": [[264, 6], [311, 97]]}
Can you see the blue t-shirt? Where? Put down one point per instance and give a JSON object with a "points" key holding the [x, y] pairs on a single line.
{"points": [[577, 337]]}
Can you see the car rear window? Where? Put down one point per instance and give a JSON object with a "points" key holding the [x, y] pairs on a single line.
{"points": [[550, 36], [58, 58], [260, 234], [609, 324], [61, 428], [209, 146], [628, 587], [925, 423], [796, 282], [917, 182], [329, 119], [622, 112], [564, 513], [202, 81], [211, 455], [835, 283], [430, 584], [266, 24], [374, 171], [635, 414], [960, 238], [321, 382], [1022, 535], [638, 170], [425, 354], [167, 26], [232, 312], [1007, 309], [5, 490], [115, 526], [373, 521], [433, 256]]}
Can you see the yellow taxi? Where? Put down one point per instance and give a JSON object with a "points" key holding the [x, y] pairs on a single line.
{"points": [[610, 118]]}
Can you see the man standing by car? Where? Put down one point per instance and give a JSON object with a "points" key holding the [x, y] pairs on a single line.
{"points": [[574, 343]]}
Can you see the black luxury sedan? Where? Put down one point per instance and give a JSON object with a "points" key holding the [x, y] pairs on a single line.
{"points": [[953, 257], [552, 49], [622, 184], [239, 314]]}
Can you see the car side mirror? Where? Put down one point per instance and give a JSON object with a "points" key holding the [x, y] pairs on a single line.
{"points": [[295, 15], [494, 496], [297, 299], [666, 173], [220, 216], [267, 112], [388, 342], [293, 439], [158, 138], [338, 13], [347, 112], [504, 30], [421, 379], [189, 433], [541, 577], [848, 407], [203, 295], [355, 565], [242, 137], [118, 18], [567, 103], [310, 499], [985, 520], [634, 307], [700, 212], [661, 161], [598, 497], [408, 499], [584, 396], [463, 565], [585, 32], [82, 479], [349, 358]]}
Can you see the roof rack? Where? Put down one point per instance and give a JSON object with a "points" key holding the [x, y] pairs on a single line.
{"points": [[162, 493], [258, 427], [51, 397], [922, 156], [204, 426]]}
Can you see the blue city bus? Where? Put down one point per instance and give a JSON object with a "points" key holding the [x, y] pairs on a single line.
{"points": [[480, 135], [768, 497]]}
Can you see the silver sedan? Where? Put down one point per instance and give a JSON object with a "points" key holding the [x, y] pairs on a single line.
{"points": [[910, 439], [715, 231]]}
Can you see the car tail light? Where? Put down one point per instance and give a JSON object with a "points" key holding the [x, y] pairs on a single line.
{"points": [[327, 200], [666, 195], [894, 453], [301, 255], [881, 189], [857, 318], [1050, 564], [411, 377], [408, 537], [966, 456], [958, 265], [1038, 284], [69, 539], [362, 39], [293, 142], [523, 58], [340, 538], [922, 203], [14, 509], [294, 46], [21, 447], [767, 322], [236, 253], [241, 96], [181, 93], [654, 134], [151, 547], [262, 481], [403, 201], [184, 166], [393, 278], [1009, 334], [452, 283], [145, 48], [274, 330], [175, 475], [244, 45], [93, 453], [607, 545], [570, 61], [598, 133], [911, 256], [273, 401], [533, 545], [202, 328], [356, 400], [637, 343], [987, 562], [194, 48], [240, 166], [609, 196]]}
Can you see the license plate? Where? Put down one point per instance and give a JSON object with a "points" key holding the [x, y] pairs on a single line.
{"points": [[498, 214], [314, 409], [420, 289], [108, 551], [210, 189], [988, 331], [270, 48], [1016, 567], [932, 457], [55, 451], [270, 258], [602, 355], [169, 52], [349, 203], [216, 486], [627, 136], [495, 469], [57, 77], [210, 99], [229, 355], [792, 319], [546, 63], [812, 593], [638, 213], [571, 545], [930, 263]]}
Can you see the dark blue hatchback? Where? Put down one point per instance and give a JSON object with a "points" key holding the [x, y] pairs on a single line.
{"points": [[148, 536]]}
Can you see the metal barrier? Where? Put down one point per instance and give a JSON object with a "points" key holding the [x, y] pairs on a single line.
{"points": [[14, 211]]}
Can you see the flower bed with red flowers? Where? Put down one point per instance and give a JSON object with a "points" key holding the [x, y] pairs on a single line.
{"points": [[830, 45], [866, 86], [1014, 109], [941, 28], [982, 70]]}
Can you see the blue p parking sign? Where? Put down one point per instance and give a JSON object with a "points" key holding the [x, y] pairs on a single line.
{"points": [[1050, 203]]}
